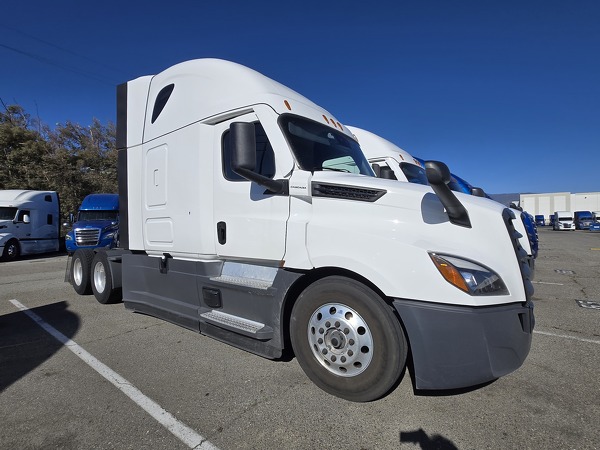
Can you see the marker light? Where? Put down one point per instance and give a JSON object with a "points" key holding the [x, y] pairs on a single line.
{"points": [[469, 276], [287, 105]]}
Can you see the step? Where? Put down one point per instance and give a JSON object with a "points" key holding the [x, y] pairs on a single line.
{"points": [[239, 324], [247, 275], [243, 281]]}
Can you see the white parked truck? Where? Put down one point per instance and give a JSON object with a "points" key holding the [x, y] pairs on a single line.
{"points": [[563, 221], [250, 214], [29, 223], [387, 159], [392, 162]]}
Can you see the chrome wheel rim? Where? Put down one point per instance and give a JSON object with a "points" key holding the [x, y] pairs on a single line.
{"points": [[77, 272], [340, 340], [99, 277]]}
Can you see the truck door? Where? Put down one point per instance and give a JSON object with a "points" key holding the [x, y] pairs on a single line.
{"points": [[250, 223], [23, 232]]}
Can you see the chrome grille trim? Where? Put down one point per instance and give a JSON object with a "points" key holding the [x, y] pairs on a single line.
{"points": [[87, 236]]}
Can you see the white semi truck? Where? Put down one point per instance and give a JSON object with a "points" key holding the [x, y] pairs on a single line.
{"points": [[387, 159], [563, 220], [250, 214], [29, 223], [392, 162]]}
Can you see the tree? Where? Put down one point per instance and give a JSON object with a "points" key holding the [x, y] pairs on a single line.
{"points": [[72, 159], [23, 150], [84, 160]]}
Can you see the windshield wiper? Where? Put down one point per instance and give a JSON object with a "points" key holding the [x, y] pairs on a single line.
{"points": [[335, 169]]}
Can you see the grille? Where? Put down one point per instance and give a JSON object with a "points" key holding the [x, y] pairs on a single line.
{"points": [[520, 253], [87, 236], [346, 192]]}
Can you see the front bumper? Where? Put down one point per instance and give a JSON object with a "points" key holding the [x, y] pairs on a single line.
{"points": [[458, 346]]}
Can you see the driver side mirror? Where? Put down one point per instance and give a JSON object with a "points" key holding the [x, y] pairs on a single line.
{"points": [[439, 176], [242, 138], [243, 148], [477, 192]]}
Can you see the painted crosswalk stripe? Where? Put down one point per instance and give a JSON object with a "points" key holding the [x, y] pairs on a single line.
{"points": [[566, 336]]}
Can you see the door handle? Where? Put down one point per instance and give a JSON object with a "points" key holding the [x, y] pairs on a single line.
{"points": [[222, 232]]}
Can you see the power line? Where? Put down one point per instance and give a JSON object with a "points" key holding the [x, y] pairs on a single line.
{"points": [[61, 66], [63, 49]]}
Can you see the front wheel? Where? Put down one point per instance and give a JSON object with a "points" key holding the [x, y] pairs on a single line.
{"points": [[347, 339], [11, 250]]}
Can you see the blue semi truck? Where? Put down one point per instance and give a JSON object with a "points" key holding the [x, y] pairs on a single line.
{"points": [[583, 220], [96, 225]]}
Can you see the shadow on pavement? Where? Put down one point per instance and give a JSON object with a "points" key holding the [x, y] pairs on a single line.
{"points": [[434, 442], [24, 345]]}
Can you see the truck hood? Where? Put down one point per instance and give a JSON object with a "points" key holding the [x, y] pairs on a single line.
{"points": [[402, 223], [102, 224]]}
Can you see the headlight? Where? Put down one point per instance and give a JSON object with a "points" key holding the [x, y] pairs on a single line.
{"points": [[109, 235], [469, 276], [68, 237]]}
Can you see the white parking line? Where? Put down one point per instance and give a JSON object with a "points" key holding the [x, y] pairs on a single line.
{"points": [[545, 333], [180, 430], [547, 282]]}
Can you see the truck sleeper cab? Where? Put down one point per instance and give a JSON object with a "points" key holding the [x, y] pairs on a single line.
{"points": [[29, 223], [250, 214]]}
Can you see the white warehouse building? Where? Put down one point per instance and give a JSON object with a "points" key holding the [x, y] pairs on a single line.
{"points": [[546, 204]]}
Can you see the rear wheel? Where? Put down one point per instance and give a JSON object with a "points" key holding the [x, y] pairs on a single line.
{"points": [[11, 250], [347, 339], [80, 271], [102, 280]]}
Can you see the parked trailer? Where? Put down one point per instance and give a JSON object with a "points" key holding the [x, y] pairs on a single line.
{"points": [[29, 223], [250, 214]]}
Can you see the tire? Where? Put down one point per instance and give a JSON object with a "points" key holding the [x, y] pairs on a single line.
{"points": [[347, 339], [11, 250], [80, 271], [101, 280]]}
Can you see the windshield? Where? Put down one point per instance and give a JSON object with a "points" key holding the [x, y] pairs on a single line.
{"points": [[98, 215], [7, 213], [459, 185], [414, 173], [318, 147]]}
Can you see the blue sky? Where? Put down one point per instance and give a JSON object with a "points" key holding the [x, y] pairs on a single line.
{"points": [[507, 93]]}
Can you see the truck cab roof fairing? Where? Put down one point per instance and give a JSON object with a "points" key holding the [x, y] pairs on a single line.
{"points": [[206, 87]]}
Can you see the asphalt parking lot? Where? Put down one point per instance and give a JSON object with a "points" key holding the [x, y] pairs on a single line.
{"points": [[172, 388]]}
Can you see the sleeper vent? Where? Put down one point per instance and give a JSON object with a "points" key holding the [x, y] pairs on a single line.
{"points": [[161, 101], [346, 192]]}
